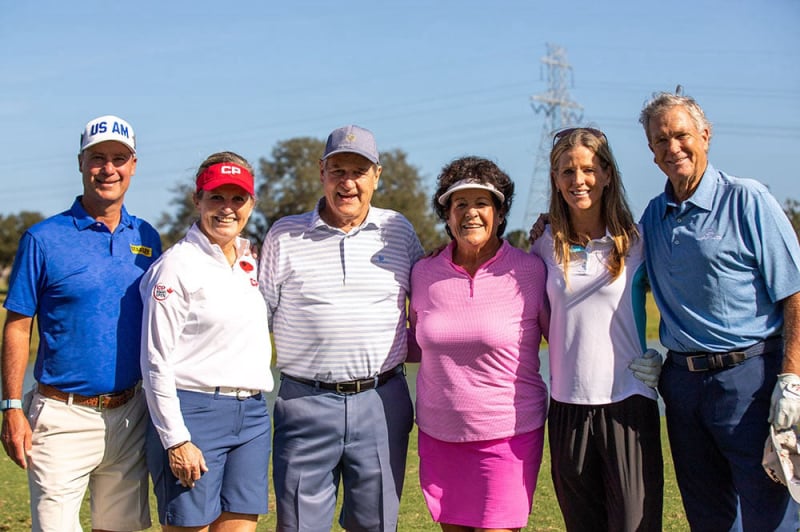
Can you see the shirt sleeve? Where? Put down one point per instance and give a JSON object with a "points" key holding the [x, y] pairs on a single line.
{"points": [[27, 277], [166, 305], [544, 311], [268, 282], [776, 247], [415, 248], [414, 351]]}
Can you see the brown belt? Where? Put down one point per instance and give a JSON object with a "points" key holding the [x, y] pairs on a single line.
{"points": [[100, 402]]}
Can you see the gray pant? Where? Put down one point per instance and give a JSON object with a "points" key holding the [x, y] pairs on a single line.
{"points": [[322, 436]]}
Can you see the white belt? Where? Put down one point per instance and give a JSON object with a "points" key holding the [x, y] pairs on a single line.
{"points": [[239, 393]]}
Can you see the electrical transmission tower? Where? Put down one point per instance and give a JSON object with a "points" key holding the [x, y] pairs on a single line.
{"points": [[559, 112]]}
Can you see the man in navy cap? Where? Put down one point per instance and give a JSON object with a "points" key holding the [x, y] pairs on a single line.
{"points": [[83, 424], [335, 280]]}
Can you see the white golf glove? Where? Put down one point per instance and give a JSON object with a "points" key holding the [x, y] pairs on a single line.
{"points": [[785, 410], [647, 367]]}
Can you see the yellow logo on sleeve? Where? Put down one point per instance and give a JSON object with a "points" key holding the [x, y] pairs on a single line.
{"points": [[141, 250]]}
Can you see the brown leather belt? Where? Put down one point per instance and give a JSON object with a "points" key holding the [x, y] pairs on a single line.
{"points": [[350, 387], [100, 402]]}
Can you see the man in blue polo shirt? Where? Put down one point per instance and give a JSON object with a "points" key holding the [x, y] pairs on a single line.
{"points": [[724, 265], [83, 424]]}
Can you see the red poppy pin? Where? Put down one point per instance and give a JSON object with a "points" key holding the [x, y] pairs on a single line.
{"points": [[246, 266]]}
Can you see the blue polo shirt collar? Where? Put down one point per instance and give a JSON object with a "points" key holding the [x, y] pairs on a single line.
{"points": [[702, 198], [84, 220]]}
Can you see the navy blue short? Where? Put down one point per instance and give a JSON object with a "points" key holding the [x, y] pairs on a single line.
{"points": [[234, 437]]}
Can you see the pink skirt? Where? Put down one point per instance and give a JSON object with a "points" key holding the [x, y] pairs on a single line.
{"points": [[485, 484]]}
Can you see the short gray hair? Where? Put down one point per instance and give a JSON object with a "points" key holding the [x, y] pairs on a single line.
{"points": [[663, 101]]}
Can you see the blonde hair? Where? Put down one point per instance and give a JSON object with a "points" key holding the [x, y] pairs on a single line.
{"points": [[615, 212]]}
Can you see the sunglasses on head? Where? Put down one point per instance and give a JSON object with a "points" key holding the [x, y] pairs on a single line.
{"points": [[568, 131]]}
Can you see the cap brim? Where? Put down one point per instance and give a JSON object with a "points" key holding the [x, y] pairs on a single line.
{"points": [[227, 180], [364, 154], [100, 141]]}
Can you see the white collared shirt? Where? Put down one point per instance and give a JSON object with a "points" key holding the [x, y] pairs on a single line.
{"points": [[204, 325], [597, 326]]}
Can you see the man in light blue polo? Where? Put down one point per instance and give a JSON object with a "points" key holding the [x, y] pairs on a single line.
{"points": [[335, 280], [83, 425], [724, 265]]}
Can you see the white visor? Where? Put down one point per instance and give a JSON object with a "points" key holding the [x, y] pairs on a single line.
{"points": [[469, 183]]}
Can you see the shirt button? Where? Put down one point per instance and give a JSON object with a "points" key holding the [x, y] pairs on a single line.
{"points": [[680, 220], [676, 242]]}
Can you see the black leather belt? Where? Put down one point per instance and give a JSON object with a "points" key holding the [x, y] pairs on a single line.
{"points": [[705, 361], [356, 386]]}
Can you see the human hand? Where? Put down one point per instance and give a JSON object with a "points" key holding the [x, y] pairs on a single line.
{"points": [[785, 404], [187, 463], [537, 229], [16, 436], [647, 368]]}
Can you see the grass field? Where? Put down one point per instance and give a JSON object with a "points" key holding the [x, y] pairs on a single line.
{"points": [[15, 516], [546, 516]]}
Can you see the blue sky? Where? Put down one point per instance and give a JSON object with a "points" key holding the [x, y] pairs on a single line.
{"points": [[437, 79]]}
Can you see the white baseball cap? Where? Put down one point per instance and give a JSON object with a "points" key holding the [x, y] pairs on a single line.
{"points": [[782, 459], [108, 127]]}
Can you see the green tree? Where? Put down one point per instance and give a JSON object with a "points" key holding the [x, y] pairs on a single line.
{"points": [[173, 225], [401, 189], [290, 179], [792, 209], [11, 229]]}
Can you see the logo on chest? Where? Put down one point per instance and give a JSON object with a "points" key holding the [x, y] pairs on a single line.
{"points": [[161, 292]]}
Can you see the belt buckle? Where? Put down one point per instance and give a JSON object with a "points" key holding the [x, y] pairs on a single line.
{"points": [[690, 363], [356, 387], [101, 401], [240, 396]]}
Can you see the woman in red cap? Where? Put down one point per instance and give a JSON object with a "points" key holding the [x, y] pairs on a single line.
{"points": [[205, 362]]}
